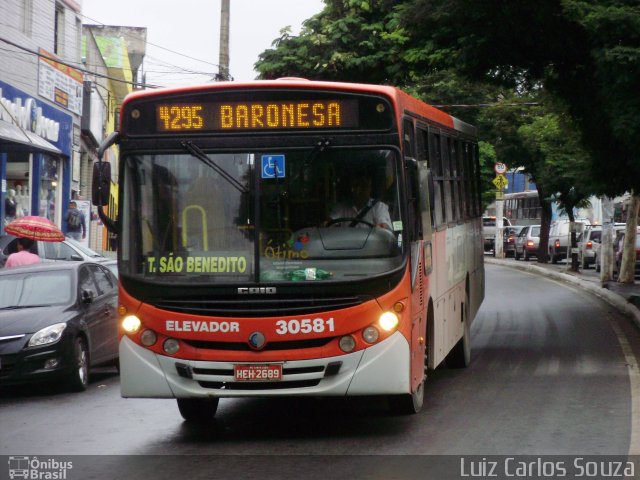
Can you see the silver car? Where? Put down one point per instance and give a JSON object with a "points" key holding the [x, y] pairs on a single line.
{"points": [[588, 245], [527, 242], [68, 249]]}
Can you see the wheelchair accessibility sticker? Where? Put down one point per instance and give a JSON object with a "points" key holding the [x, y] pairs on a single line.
{"points": [[273, 166]]}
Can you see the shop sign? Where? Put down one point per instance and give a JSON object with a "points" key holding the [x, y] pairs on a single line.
{"points": [[59, 83], [48, 122]]}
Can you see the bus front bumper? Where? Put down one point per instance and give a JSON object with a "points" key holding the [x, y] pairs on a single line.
{"points": [[378, 370]]}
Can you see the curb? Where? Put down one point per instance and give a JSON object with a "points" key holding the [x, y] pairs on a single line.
{"points": [[617, 301]]}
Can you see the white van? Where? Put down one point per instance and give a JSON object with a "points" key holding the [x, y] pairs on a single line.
{"points": [[560, 237]]}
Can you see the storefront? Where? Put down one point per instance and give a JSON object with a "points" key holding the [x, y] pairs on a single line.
{"points": [[35, 153]]}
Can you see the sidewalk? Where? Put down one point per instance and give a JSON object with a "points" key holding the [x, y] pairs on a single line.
{"points": [[623, 297]]}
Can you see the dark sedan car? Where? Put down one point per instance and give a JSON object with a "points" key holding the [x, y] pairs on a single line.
{"points": [[56, 321]]}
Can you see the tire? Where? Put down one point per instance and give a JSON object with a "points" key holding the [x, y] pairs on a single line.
{"points": [[78, 380], [516, 255], [525, 255], [460, 354], [198, 410], [411, 403]]}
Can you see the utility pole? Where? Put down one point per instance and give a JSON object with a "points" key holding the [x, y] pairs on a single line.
{"points": [[223, 62]]}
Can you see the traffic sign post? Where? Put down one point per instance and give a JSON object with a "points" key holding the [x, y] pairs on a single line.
{"points": [[500, 183]]}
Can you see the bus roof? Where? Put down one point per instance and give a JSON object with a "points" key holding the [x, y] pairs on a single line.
{"points": [[406, 103]]}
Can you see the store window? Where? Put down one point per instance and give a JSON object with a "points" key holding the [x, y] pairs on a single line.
{"points": [[17, 202], [49, 187]]}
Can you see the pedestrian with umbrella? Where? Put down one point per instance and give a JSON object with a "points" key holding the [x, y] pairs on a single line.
{"points": [[23, 256], [30, 229]]}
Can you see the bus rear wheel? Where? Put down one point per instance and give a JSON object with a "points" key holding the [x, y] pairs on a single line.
{"points": [[198, 409]]}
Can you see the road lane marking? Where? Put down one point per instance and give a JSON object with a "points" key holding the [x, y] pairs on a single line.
{"points": [[634, 380]]}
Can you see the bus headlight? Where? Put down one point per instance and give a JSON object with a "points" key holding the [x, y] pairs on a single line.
{"points": [[370, 334], [131, 324], [171, 346], [347, 344], [388, 321], [148, 338]]}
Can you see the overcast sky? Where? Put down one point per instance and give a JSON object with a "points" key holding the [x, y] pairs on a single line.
{"points": [[192, 29]]}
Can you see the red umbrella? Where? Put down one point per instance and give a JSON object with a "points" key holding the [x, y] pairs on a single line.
{"points": [[35, 228]]}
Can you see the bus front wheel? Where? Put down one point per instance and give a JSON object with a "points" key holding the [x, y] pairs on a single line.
{"points": [[409, 403], [198, 409]]}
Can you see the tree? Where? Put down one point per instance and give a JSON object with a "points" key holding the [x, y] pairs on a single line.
{"points": [[563, 164], [586, 53], [349, 39]]}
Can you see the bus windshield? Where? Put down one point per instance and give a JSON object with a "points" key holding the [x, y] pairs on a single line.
{"points": [[199, 216]]}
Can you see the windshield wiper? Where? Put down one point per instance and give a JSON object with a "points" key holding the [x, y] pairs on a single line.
{"points": [[200, 155], [18, 307]]}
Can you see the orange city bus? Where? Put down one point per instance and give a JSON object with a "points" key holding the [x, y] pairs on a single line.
{"points": [[237, 277]]}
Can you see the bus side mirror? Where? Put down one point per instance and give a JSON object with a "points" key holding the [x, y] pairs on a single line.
{"points": [[101, 184], [102, 173]]}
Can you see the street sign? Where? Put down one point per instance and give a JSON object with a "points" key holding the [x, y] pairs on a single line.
{"points": [[500, 182], [500, 168], [499, 195]]}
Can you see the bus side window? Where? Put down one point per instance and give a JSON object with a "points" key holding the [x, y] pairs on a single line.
{"points": [[426, 183], [413, 196], [438, 176]]}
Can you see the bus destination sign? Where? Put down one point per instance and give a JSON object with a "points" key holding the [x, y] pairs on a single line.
{"points": [[256, 115]]}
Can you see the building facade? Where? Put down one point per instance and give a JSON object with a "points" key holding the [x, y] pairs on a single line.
{"points": [[61, 87], [40, 106]]}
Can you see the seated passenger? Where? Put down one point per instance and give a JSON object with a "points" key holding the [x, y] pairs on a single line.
{"points": [[362, 206]]}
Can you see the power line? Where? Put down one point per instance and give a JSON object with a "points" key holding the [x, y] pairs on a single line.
{"points": [[83, 70], [485, 105]]}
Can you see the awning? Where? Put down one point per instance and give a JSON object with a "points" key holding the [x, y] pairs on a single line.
{"points": [[15, 139]]}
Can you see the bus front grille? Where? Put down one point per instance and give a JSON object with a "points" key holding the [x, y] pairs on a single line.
{"points": [[249, 307], [271, 346], [259, 385]]}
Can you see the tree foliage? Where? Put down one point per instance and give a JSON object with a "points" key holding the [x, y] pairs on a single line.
{"points": [[586, 53], [349, 39]]}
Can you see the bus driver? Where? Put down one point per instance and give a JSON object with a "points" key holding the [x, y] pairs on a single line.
{"points": [[362, 206]]}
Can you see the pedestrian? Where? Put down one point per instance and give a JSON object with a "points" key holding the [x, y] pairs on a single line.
{"points": [[23, 255], [75, 222]]}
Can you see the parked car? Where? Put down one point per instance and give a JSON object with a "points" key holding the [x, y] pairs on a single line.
{"points": [[509, 240], [57, 320], [588, 245], [68, 249], [112, 265], [489, 231], [559, 235], [527, 242], [618, 253], [618, 231]]}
